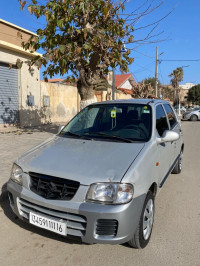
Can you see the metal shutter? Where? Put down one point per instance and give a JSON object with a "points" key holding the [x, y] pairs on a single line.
{"points": [[9, 102]]}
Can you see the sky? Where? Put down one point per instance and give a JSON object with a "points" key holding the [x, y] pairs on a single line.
{"points": [[180, 38]]}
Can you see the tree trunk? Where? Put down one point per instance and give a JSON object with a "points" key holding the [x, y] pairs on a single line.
{"points": [[86, 90], [87, 84], [87, 95], [84, 103]]}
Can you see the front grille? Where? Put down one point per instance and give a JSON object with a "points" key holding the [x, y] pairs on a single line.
{"points": [[76, 224], [54, 188], [106, 227]]}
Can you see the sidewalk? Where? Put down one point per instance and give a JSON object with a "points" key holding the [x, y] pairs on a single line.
{"points": [[51, 128], [14, 142]]}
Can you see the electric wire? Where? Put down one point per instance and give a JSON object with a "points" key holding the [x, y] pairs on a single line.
{"points": [[180, 60], [144, 68]]}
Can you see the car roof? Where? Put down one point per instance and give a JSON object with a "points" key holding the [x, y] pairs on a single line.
{"points": [[136, 101]]}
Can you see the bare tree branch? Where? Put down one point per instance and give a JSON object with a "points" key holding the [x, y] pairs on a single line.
{"points": [[156, 22]]}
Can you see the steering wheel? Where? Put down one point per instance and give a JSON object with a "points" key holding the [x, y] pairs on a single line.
{"points": [[134, 127]]}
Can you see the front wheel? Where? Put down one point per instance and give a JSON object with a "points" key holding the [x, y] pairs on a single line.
{"points": [[193, 118], [145, 226]]}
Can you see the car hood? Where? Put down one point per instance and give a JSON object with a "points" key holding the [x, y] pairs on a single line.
{"points": [[85, 161]]}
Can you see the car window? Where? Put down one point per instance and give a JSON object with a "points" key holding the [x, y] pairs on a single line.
{"points": [[130, 121], [161, 120], [86, 120], [170, 114]]}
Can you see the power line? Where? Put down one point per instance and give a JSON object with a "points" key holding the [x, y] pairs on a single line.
{"points": [[180, 60], [144, 68], [135, 77], [142, 53], [160, 73]]}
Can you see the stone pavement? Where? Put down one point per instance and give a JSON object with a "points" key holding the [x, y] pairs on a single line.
{"points": [[13, 143], [52, 128]]}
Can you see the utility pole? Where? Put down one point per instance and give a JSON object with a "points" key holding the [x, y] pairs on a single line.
{"points": [[156, 73]]}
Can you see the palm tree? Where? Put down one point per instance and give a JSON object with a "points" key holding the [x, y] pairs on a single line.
{"points": [[176, 77]]}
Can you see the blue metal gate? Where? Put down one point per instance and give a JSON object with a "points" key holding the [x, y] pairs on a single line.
{"points": [[9, 100]]}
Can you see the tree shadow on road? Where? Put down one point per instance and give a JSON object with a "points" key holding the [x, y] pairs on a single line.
{"points": [[3, 192], [50, 128], [4, 204]]}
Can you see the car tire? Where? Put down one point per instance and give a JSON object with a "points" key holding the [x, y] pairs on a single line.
{"points": [[193, 118], [143, 232], [178, 167]]}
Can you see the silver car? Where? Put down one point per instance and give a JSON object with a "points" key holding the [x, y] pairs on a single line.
{"points": [[98, 177], [193, 115]]}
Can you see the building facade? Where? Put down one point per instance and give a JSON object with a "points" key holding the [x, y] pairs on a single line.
{"points": [[19, 86]]}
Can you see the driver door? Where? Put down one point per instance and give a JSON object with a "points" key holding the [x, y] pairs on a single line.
{"points": [[165, 150]]}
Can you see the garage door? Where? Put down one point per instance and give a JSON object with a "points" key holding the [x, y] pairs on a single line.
{"points": [[9, 105]]}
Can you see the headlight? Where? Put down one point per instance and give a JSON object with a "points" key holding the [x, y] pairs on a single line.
{"points": [[110, 193], [16, 174]]}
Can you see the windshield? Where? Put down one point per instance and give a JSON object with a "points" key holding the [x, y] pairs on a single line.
{"points": [[113, 122]]}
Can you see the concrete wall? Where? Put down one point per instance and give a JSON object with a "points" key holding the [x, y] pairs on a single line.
{"points": [[64, 102], [28, 84], [107, 95], [121, 96]]}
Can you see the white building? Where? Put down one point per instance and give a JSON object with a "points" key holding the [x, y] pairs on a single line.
{"points": [[187, 86]]}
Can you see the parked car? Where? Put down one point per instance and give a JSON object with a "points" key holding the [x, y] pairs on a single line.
{"points": [[98, 177], [182, 109], [192, 115]]}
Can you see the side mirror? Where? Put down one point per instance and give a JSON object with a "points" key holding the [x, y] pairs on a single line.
{"points": [[60, 129], [168, 136]]}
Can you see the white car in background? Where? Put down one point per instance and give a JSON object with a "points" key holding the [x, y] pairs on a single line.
{"points": [[182, 109], [192, 115]]}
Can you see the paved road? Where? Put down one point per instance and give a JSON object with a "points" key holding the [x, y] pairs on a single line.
{"points": [[176, 234]]}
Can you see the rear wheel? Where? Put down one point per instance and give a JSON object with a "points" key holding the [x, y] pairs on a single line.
{"points": [[178, 167], [193, 118], [144, 229]]}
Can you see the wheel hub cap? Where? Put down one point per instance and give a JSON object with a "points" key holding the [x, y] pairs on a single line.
{"points": [[148, 219]]}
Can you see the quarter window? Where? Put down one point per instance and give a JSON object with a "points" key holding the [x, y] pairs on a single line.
{"points": [[170, 114], [161, 120]]}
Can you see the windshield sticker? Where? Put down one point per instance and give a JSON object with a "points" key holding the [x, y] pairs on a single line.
{"points": [[113, 114]]}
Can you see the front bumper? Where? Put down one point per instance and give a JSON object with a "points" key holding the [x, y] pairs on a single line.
{"points": [[186, 116], [93, 223]]}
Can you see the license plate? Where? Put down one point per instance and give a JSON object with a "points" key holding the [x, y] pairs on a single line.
{"points": [[49, 224]]}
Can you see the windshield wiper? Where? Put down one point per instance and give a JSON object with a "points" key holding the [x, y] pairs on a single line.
{"points": [[77, 135], [109, 136]]}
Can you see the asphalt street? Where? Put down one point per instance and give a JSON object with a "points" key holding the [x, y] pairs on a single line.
{"points": [[176, 234]]}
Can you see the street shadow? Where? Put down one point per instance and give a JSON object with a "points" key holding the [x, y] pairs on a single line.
{"points": [[49, 128], [4, 204], [30, 119], [3, 192]]}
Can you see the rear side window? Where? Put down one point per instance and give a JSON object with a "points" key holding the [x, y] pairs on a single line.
{"points": [[161, 120], [170, 114]]}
